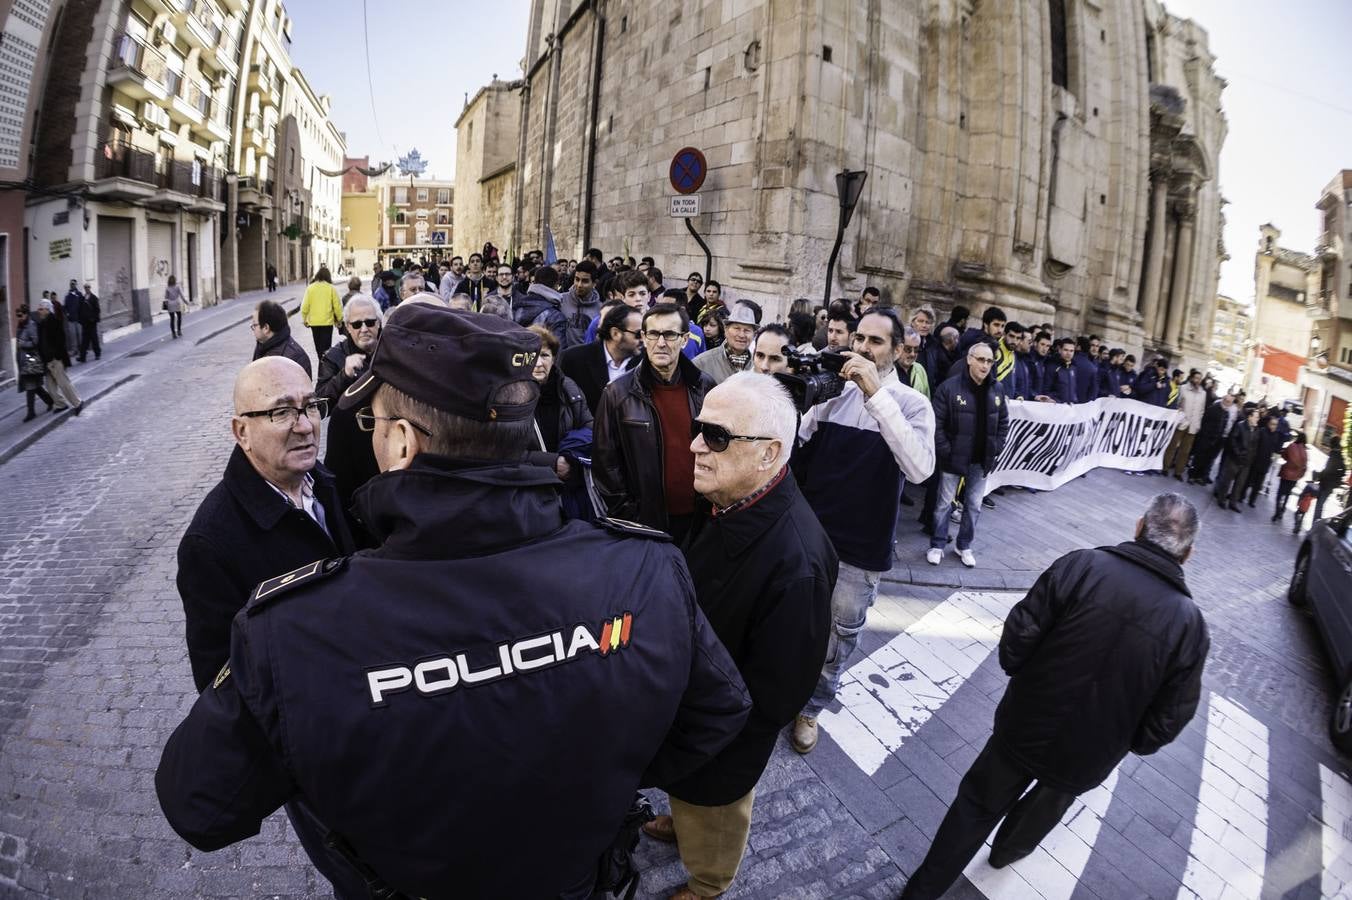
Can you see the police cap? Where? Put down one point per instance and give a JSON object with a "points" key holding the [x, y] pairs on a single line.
{"points": [[451, 360]]}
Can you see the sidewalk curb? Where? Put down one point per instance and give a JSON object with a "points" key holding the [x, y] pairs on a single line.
{"points": [[1016, 580], [54, 421]]}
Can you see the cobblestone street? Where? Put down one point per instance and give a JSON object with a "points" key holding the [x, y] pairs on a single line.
{"points": [[1251, 801]]}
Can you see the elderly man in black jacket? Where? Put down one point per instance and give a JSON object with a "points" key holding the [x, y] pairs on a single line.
{"points": [[275, 509], [764, 571], [1105, 657], [349, 455]]}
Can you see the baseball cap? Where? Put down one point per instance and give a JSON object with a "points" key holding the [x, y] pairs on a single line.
{"points": [[454, 361]]}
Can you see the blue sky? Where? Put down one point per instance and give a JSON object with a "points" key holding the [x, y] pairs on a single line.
{"points": [[1288, 102], [426, 55]]}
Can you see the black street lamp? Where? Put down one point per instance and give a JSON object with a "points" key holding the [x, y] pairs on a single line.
{"points": [[849, 185]]}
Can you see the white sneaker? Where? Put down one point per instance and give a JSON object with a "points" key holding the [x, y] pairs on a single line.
{"points": [[934, 556], [967, 558]]}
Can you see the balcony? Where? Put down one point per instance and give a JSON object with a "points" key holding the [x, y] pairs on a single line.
{"points": [[1321, 305], [215, 124], [270, 145], [201, 30], [123, 173], [255, 192], [138, 69], [269, 93], [235, 6], [192, 100], [1329, 245], [225, 52]]}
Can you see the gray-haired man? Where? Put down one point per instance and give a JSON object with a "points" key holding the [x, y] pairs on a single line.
{"points": [[1083, 692]]}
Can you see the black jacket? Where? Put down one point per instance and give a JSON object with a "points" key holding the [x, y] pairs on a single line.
{"points": [[561, 398], [539, 305], [551, 669], [1269, 442], [586, 364], [244, 533], [91, 311], [1241, 445], [936, 360], [1105, 656], [955, 423], [1332, 474], [627, 459], [1213, 423], [764, 577], [52, 340], [350, 455], [283, 344]]}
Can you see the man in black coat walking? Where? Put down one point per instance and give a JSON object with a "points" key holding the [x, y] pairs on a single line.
{"points": [[1241, 447], [1105, 657], [349, 455], [764, 571]]}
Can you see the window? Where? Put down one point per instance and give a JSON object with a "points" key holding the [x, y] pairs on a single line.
{"points": [[400, 237], [443, 219], [401, 195], [443, 196], [400, 219], [1060, 48], [422, 195]]}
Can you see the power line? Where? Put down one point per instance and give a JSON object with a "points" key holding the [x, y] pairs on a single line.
{"points": [[1309, 98], [370, 86]]}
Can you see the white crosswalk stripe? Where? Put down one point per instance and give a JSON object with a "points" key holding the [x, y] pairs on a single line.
{"points": [[888, 695], [1228, 847], [1053, 869], [1335, 833]]}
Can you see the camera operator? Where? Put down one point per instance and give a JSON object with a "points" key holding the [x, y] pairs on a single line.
{"points": [[877, 433]]}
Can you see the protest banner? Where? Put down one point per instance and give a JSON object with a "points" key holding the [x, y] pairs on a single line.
{"points": [[1051, 443]]}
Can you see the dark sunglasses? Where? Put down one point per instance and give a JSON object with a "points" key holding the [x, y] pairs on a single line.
{"points": [[717, 437], [363, 323]]}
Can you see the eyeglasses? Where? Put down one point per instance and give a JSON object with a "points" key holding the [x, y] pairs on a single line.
{"points": [[314, 408], [717, 437], [254, 326], [670, 337], [983, 360], [908, 350], [363, 323], [366, 421]]}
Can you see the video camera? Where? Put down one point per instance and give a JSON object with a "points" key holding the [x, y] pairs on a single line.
{"points": [[815, 377]]}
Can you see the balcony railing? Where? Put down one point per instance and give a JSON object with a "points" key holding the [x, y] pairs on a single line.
{"points": [[120, 161], [135, 54], [1330, 244], [190, 179], [197, 95]]}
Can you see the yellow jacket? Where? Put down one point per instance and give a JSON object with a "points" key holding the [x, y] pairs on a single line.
{"points": [[321, 305]]}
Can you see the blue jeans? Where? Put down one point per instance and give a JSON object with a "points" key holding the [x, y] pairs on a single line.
{"points": [[855, 592], [971, 508]]}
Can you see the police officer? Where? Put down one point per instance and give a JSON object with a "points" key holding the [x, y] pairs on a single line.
{"points": [[468, 709]]}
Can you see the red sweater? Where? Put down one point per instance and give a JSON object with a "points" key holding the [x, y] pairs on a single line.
{"points": [[672, 402]]}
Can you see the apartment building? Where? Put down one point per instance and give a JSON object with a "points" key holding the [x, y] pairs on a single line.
{"points": [[415, 217], [1327, 379]]}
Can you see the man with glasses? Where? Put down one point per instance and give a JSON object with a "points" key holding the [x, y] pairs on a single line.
{"points": [[349, 456], [857, 450], [598, 363], [971, 421], [503, 288], [643, 465], [272, 333], [763, 570], [908, 369], [486, 658]]}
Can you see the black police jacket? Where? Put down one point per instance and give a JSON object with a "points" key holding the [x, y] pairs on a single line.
{"points": [[472, 705], [1106, 656]]}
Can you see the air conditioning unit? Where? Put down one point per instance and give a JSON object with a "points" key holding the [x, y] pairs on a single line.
{"points": [[154, 114]]}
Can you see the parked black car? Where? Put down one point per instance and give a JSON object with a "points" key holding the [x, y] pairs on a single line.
{"points": [[1323, 583]]}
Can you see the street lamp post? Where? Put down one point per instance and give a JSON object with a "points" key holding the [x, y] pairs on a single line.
{"points": [[849, 185]]}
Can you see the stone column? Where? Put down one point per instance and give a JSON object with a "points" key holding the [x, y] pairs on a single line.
{"points": [[1154, 267], [1178, 295]]}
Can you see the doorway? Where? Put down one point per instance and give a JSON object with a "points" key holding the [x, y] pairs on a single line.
{"points": [[192, 266]]}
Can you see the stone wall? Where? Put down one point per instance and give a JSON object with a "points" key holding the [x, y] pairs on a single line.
{"points": [[487, 140], [988, 181]]}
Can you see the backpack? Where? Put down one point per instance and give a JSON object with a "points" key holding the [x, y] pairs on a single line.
{"points": [[616, 871]]}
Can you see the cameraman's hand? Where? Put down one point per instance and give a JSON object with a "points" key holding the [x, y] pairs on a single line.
{"points": [[861, 371]]}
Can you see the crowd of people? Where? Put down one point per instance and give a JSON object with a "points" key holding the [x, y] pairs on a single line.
{"points": [[517, 451]]}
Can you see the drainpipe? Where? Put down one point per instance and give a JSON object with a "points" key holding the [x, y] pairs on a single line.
{"points": [[597, 55]]}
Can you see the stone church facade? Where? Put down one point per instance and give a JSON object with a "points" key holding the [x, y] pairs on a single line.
{"points": [[1057, 158]]}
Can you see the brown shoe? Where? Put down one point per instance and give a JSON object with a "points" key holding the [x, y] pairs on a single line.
{"points": [[804, 736], [686, 894], [661, 829]]}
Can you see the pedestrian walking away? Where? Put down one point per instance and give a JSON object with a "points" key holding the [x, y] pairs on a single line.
{"points": [[330, 702], [321, 309], [1083, 690], [175, 302], [28, 362]]}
